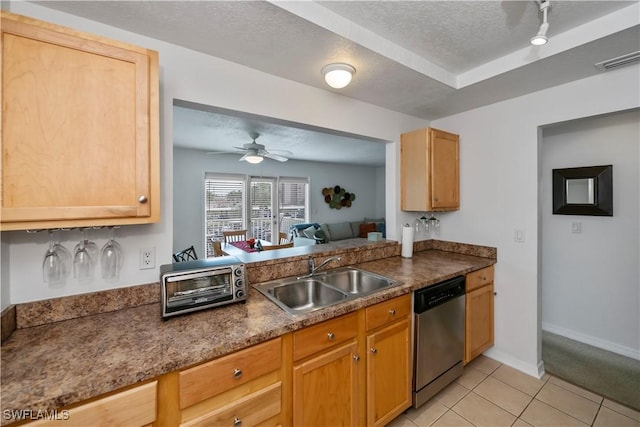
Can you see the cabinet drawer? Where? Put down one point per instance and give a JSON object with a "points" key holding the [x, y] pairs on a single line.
{"points": [[249, 410], [479, 278], [387, 311], [217, 376], [133, 407], [324, 335]]}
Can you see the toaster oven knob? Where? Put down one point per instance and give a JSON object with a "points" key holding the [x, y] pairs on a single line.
{"points": [[237, 272], [239, 293], [239, 283]]}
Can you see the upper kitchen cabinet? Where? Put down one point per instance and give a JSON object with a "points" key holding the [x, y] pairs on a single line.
{"points": [[80, 131], [429, 171]]}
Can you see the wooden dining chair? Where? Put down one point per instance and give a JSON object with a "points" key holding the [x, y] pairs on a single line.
{"points": [[273, 247], [234, 236], [188, 254], [217, 248], [284, 238]]}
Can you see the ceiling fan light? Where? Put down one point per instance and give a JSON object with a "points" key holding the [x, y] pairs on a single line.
{"points": [[254, 158], [338, 75]]}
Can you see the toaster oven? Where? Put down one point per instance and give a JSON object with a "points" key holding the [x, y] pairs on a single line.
{"points": [[198, 285]]}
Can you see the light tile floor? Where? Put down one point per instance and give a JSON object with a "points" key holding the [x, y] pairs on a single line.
{"points": [[491, 394]]}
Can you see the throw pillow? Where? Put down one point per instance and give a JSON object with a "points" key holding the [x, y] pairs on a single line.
{"points": [[325, 229], [365, 229], [309, 232], [381, 227]]}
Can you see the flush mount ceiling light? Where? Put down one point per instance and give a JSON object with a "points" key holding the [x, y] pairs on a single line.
{"points": [[338, 75], [541, 38]]}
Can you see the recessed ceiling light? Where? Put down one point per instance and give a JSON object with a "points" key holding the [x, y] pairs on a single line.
{"points": [[338, 75]]}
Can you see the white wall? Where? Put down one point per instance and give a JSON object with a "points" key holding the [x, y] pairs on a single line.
{"points": [[499, 193], [194, 77], [189, 167], [591, 280]]}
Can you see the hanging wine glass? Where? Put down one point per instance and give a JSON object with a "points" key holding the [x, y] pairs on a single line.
{"points": [[111, 258], [64, 255], [51, 266], [435, 224], [89, 246], [83, 260]]}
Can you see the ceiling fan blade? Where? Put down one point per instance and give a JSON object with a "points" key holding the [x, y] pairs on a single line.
{"points": [[274, 156], [243, 158]]}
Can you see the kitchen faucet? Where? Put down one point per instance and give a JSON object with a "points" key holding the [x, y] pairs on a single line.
{"points": [[312, 265]]}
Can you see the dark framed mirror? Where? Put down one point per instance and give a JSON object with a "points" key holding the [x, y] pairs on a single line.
{"points": [[583, 191]]}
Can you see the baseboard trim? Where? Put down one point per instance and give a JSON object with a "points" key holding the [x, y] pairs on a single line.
{"points": [[593, 341], [536, 371]]}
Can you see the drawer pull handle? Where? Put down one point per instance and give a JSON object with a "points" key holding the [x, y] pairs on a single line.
{"points": [[142, 199], [356, 357], [331, 336], [374, 350], [392, 312], [237, 373], [237, 421], [484, 279]]}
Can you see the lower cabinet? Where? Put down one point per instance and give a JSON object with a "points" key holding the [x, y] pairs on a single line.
{"points": [[388, 360], [326, 388], [135, 407], [478, 313], [326, 367], [243, 388], [354, 369]]}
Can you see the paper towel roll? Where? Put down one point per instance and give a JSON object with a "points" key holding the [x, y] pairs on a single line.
{"points": [[407, 241]]}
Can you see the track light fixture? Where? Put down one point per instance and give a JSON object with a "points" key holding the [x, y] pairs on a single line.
{"points": [[541, 38]]}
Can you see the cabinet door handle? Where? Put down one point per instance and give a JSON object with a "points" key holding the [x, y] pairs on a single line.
{"points": [[356, 358], [237, 373], [237, 421], [143, 199], [392, 312], [374, 350], [331, 336]]}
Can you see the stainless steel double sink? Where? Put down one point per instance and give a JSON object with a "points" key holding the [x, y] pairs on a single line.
{"points": [[306, 294]]}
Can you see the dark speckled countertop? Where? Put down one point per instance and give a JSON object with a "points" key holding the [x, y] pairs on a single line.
{"points": [[57, 364]]}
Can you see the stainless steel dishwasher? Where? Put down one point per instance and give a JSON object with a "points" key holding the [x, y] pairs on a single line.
{"points": [[439, 337]]}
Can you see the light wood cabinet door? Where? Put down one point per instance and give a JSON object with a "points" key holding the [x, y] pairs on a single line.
{"points": [[478, 322], [388, 372], [326, 388], [429, 170], [80, 128]]}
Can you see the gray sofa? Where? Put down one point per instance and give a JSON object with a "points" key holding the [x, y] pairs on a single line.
{"points": [[318, 233]]}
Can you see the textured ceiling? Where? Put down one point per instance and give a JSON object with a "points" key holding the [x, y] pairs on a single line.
{"points": [[445, 56]]}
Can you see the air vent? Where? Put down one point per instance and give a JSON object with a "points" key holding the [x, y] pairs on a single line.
{"points": [[620, 61]]}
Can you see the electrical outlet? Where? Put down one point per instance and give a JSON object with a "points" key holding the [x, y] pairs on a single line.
{"points": [[147, 258]]}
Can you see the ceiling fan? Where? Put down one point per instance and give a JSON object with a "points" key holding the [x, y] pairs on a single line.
{"points": [[255, 153]]}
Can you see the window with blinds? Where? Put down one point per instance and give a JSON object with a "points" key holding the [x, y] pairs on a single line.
{"points": [[293, 202], [224, 201], [238, 202]]}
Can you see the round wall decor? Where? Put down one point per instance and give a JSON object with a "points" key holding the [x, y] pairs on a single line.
{"points": [[337, 197]]}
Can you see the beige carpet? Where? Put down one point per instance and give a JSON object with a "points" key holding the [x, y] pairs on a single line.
{"points": [[605, 373]]}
